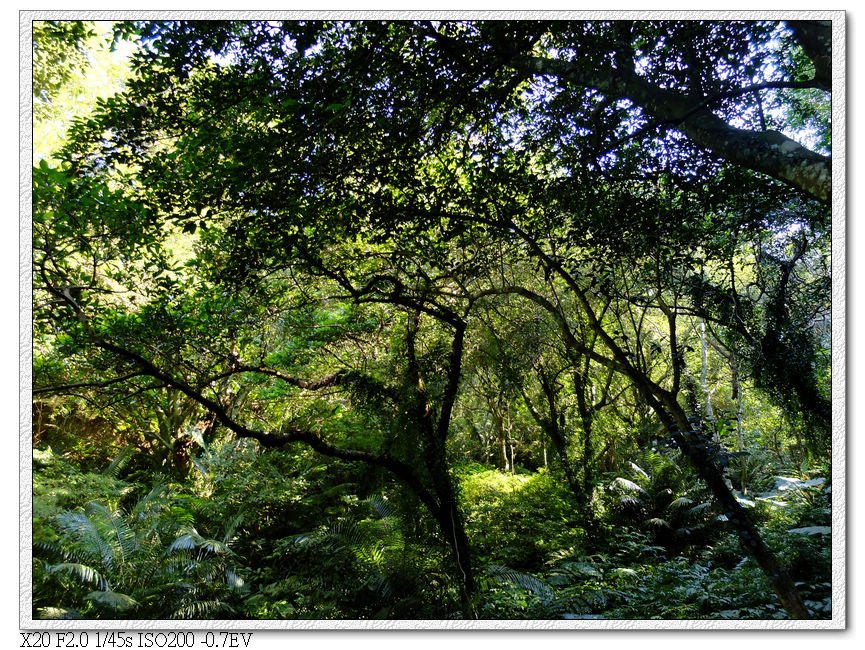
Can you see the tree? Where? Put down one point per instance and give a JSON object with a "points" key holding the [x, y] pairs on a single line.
{"points": [[680, 86], [321, 171], [74, 63], [58, 53]]}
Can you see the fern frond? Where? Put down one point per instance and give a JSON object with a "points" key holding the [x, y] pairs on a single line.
{"points": [[231, 528], [186, 542], [681, 502], [639, 470], [233, 580], [382, 507], [151, 503], [119, 463], [112, 599], [192, 540], [81, 572], [203, 609], [527, 581], [624, 485], [51, 549], [58, 613], [214, 547], [629, 503], [700, 507], [348, 532], [578, 571], [114, 530], [657, 522], [90, 541]]}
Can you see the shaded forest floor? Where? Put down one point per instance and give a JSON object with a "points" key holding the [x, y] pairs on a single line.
{"points": [[280, 536]]}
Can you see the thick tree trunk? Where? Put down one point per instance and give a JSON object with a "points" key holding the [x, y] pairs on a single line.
{"points": [[450, 520], [704, 376], [736, 389]]}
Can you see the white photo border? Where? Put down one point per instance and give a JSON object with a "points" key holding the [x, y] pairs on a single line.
{"points": [[839, 349]]}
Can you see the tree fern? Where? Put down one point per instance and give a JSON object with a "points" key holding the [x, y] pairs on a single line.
{"points": [[623, 484], [383, 507], [681, 503], [373, 547], [152, 504], [151, 562]]}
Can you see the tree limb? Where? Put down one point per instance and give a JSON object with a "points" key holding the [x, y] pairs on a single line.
{"points": [[768, 152], [66, 388]]}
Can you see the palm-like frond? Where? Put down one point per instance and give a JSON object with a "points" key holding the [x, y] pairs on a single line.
{"points": [[625, 485], [115, 530], [231, 528], [382, 507], [152, 503], [233, 580], [112, 600], [58, 613], [527, 581], [700, 507], [660, 466], [574, 571], [119, 462], [81, 572], [680, 503], [192, 540], [638, 470], [202, 609], [657, 522], [349, 533], [87, 538], [51, 549], [628, 502]]}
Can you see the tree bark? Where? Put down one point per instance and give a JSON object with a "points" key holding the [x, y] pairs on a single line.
{"points": [[768, 152], [815, 37]]}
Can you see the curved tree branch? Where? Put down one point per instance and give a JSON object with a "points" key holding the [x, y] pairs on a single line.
{"points": [[401, 470], [768, 152], [68, 388]]}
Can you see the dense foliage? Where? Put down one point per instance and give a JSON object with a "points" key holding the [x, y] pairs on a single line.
{"points": [[436, 320]]}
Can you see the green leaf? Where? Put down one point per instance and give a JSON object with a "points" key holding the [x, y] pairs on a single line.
{"points": [[112, 599], [81, 572]]}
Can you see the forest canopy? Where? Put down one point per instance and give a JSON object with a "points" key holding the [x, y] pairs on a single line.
{"points": [[434, 319]]}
